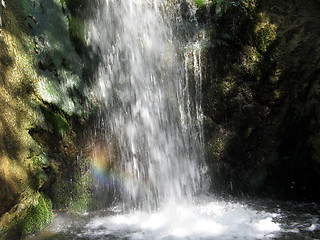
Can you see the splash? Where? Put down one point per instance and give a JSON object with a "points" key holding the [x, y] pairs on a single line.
{"points": [[206, 220]]}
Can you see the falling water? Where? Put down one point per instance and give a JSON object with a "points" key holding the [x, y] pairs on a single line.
{"points": [[150, 154], [152, 108]]}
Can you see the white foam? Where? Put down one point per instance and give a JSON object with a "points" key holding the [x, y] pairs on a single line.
{"points": [[213, 220]]}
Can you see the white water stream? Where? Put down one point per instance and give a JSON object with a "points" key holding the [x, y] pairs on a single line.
{"points": [[150, 107], [150, 83]]}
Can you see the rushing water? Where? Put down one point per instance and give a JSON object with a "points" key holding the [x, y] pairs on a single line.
{"points": [[151, 107], [208, 219], [150, 156]]}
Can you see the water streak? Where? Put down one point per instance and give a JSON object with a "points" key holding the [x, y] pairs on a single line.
{"points": [[152, 108]]}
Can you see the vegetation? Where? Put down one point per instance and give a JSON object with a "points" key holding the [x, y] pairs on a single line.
{"points": [[72, 194], [259, 99], [37, 217], [59, 124], [41, 118]]}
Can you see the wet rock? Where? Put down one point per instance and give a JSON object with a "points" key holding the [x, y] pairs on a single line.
{"points": [[260, 97]]}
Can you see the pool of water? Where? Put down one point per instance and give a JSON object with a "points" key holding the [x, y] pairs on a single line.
{"points": [[206, 218]]}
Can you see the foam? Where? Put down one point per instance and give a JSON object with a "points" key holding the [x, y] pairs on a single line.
{"points": [[212, 220]]}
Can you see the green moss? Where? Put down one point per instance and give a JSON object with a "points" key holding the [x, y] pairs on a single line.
{"points": [[72, 195], [217, 146], [265, 32], [83, 197], [75, 5], [222, 6], [41, 160], [251, 58], [59, 124], [77, 33], [265, 37], [200, 3], [249, 5], [201, 10], [37, 217]]}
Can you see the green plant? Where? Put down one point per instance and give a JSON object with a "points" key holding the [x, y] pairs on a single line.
{"points": [[200, 3]]}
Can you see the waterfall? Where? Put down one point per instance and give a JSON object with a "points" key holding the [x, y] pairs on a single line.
{"points": [[148, 147], [149, 81]]}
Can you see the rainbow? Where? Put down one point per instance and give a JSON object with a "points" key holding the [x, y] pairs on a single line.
{"points": [[102, 161]]}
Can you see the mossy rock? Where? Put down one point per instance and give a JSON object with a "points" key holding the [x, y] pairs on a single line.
{"points": [[265, 31], [72, 193], [59, 123], [200, 3], [250, 5], [75, 6], [38, 216], [260, 93], [78, 34]]}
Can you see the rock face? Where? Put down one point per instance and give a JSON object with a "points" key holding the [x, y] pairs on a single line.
{"points": [[261, 97], [42, 90]]}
